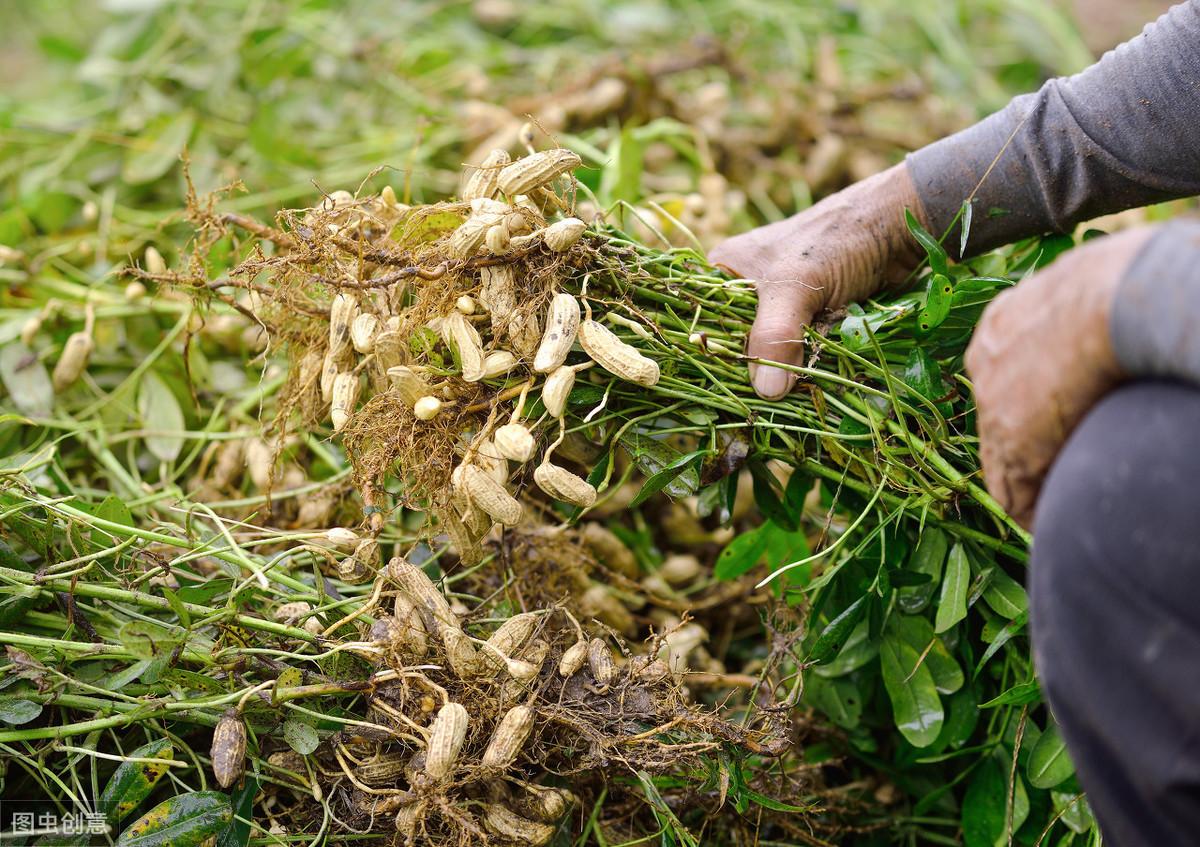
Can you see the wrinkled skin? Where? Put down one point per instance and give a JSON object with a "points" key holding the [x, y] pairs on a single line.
{"points": [[1040, 358], [846, 248]]}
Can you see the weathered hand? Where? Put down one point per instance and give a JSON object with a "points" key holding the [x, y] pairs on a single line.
{"points": [[845, 248], [1039, 360]]}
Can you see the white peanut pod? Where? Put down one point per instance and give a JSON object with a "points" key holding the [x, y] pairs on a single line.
{"points": [[363, 332], [486, 492], [482, 181], [345, 398], [615, 356], [498, 239], [514, 441], [562, 235], [508, 739], [460, 652], [598, 602], [488, 206], [507, 639], [508, 824], [468, 238], [459, 333], [611, 550], [74, 359], [562, 323], [446, 736], [427, 408], [461, 527], [573, 658], [600, 662], [260, 462], [548, 804], [487, 456], [342, 312], [409, 384], [563, 485], [524, 332], [417, 586], [498, 292], [556, 390], [411, 637], [329, 374], [536, 170], [290, 612], [154, 261], [498, 363]]}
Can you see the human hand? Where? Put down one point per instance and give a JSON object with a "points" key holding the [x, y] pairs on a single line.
{"points": [[845, 248], [1040, 358]]}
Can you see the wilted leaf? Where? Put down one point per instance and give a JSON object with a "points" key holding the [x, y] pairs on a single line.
{"points": [[132, 782], [16, 711], [161, 415], [300, 736], [27, 381], [186, 820]]}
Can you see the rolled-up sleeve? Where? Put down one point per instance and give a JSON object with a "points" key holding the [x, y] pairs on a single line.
{"points": [[1123, 133]]}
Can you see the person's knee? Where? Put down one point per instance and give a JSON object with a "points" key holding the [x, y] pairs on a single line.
{"points": [[1116, 521]]}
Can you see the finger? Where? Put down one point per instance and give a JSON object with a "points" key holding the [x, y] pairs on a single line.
{"points": [[784, 309]]}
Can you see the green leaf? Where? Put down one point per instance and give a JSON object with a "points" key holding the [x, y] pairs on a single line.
{"points": [[837, 699], [767, 498], [237, 834], [918, 633], [157, 149], [15, 710], [741, 554], [952, 606], [1021, 694], [652, 455], [962, 716], [923, 375], [160, 413], [859, 650], [177, 606], [186, 820], [660, 480], [1076, 813], [939, 261], [622, 176], [833, 638], [915, 703], [1049, 765], [939, 296], [113, 509], [132, 782], [927, 558], [985, 805], [1005, 595], [300, 736]]}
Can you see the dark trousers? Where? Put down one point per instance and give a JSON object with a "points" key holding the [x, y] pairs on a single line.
{"points": [[1115, 597]]}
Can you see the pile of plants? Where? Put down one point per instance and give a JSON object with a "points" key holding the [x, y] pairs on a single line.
{"points": [[503, 546], [233, 437]]}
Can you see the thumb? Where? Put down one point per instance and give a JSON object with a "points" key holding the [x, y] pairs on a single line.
{"points": [[784, 309]]}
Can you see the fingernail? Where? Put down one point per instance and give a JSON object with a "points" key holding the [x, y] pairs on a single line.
{"points": [[771, 383]]}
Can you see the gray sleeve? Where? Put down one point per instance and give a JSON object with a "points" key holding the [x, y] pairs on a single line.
{"points": [[1155, 319], [1123, 133]]}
